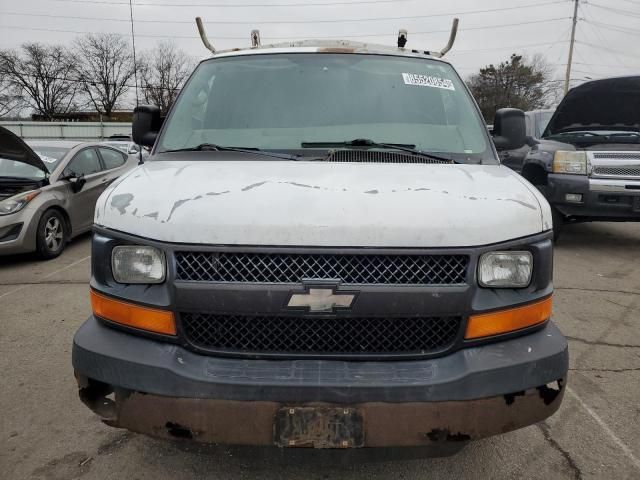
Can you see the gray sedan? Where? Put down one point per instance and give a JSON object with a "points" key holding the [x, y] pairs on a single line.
{"points": [[48, 190]]}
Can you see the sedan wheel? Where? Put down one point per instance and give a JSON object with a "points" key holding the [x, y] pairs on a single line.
{"points": [[52, 235]]}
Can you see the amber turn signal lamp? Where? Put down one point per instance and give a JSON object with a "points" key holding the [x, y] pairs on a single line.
{"points": [[131, 315], [505, 321]]}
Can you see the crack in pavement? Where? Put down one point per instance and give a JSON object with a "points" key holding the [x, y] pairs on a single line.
{"points": [[614, 370], [603, 290], [546, 432], [601, 343]]}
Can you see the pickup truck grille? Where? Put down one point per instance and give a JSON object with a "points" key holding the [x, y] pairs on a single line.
{"points": [[349, 269], [357, 336], [621, 171]]}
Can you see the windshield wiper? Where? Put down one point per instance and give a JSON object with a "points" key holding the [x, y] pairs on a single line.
{"points": [[368, 143], [220, 148]]}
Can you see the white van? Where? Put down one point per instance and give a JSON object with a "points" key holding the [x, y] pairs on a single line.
{"points": [[322, 250]]}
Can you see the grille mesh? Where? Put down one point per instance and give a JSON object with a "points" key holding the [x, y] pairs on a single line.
{"points": [[368, 156], [617, 156], [320, 335], [621, 171], [350, 269]]}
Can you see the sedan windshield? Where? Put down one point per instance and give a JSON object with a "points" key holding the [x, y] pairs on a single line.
{"points": [[50, 155], [291, 101]]}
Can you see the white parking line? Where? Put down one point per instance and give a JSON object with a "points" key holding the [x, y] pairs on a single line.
{"points": [[49, 275], [627, 451]]}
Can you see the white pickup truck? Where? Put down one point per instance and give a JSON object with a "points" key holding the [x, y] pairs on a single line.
{"points": [[322, 250]]}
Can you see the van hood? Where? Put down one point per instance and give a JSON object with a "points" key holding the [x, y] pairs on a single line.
{"points": [[13, 147], [307, 203]]}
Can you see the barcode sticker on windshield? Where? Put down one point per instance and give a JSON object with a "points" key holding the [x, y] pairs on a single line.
{"points": [[427, 81], [44, 158]]}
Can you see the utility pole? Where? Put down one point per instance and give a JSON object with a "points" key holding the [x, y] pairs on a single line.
{"points": [[573, 38], [135, 63]]}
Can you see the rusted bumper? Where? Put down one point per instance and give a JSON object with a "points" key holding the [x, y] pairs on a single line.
{"points": [[165, 390], [384, 424]]}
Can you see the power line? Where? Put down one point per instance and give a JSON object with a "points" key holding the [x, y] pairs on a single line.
{"points": [[364, 35], [614, 28], [619, 11], [512, 47], [603, 65], [148, 86], [237, 5], [619, 52], [291, 22]]}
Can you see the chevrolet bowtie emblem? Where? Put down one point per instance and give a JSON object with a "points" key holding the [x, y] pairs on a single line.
{"points": [[321, 299]]}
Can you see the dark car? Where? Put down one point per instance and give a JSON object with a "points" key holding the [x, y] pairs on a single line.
{"points": [[587, 161], [536, 121]]}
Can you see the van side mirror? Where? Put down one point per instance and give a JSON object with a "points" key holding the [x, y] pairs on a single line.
{"points": [[509, 129], [146, 124]]}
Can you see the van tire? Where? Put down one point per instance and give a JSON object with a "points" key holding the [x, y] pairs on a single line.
{"points": [[52, 235]]}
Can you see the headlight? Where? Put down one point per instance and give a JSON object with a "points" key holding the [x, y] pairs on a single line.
{"points": [[505, 269], [570, 162], [17, 202], [137, 264]]}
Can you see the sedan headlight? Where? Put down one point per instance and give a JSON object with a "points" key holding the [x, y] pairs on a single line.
{"points": [[570, 162], [138, 264], [505, 269], [17, 202]]}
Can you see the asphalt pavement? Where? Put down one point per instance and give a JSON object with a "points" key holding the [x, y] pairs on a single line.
{"points": [[46, 433]]}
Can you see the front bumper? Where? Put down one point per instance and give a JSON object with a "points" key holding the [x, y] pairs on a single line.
{"points": [[164, 390], [602, 199], [18, 232]]}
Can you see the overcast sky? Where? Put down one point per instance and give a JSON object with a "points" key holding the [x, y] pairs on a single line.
{"points": [[607, 36]]}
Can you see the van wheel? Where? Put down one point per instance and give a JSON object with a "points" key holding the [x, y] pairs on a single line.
{"points": [[51, 237]]}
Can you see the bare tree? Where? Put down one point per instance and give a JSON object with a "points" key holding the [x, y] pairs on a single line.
{"points": [[43, 76], [164, 71], [10, 101], [105, 69]]}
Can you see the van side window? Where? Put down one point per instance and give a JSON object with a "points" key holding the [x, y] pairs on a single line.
{"points": [[84, 163], [111, 158]]}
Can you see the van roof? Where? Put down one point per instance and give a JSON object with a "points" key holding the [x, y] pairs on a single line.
{"points": [[328, 46]]}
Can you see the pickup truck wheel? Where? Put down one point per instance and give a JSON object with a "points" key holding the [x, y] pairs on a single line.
{"points": [[558, 222], [557, 217], [51, 236]]}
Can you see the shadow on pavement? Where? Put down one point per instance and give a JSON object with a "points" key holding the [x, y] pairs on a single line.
{"points": [[600, 235], [21, 259]]}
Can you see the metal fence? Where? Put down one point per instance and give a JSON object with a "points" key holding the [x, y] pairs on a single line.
{"points": [[67, 130]]}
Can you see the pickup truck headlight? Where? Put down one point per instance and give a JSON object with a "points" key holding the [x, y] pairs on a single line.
{"points": [[138, 264], [17, 202], [505, 269], [570, 162]]}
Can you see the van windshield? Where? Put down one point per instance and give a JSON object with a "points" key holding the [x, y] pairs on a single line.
{"points": [[286, 101]]}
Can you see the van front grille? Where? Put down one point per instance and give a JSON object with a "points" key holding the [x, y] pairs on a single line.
{"points": [[282, 335], [362, 269]]}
